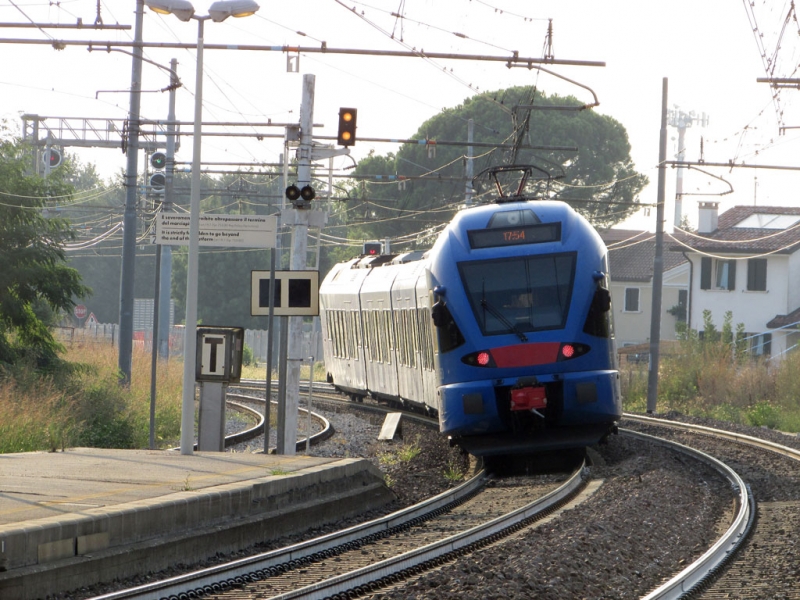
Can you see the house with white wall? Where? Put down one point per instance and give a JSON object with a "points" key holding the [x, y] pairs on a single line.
{"points": [[747, 261], [631, 256]]}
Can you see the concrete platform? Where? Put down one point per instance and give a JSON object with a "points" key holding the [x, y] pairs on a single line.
{"points": [[69, 519]]}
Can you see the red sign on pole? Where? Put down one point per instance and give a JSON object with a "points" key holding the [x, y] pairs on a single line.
{"points": [[79, 311]]}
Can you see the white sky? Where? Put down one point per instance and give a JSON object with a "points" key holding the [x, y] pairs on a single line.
{"points": [[707, 50]]}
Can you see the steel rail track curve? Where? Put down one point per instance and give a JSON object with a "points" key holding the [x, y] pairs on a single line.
{"points": [[263, 565], [700, 571]]}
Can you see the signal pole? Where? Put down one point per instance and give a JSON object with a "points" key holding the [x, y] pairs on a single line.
{"points": [[166, 256], [287, 418], [300, 218]]}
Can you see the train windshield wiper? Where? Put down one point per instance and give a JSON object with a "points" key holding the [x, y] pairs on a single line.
{"points": [[511, 327]]}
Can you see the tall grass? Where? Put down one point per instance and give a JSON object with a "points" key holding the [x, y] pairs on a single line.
{"points": [[712, 380], [82, 403]]}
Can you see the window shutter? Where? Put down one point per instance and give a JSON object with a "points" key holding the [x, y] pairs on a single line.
{"points": [[705, 273], [757, 274], [731, 275]]}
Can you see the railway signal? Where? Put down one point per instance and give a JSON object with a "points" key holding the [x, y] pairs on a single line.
{"points": [[158, 180], [371, 248], [347, 127], [52, 158], [299, 197]]}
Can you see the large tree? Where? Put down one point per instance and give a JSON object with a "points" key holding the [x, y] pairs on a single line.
{"points": [[577, 155], [34, 280]]}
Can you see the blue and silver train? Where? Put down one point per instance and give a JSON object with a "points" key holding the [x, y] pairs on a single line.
{"points": [[503, 329]]}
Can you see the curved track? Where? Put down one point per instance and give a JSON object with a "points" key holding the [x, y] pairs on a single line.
{"points": [[765, 562]]}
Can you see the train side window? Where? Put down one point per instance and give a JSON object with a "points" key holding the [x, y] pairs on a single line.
{"points": [[401, 335], [356, 327], [335, 318], [382, 341], [389, 337], [427, 341], [413, 342], [344, 334], [367, 335], [347, 321], [333, 335], [374, 336]]}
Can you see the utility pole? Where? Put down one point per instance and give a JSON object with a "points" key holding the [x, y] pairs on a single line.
{"points": [[658, 260], [129, 219], [470, 163]]}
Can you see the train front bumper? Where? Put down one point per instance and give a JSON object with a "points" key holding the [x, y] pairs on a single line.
{"points": [[575, 399]]}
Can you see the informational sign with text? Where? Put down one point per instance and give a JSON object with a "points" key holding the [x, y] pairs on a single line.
{"points": [[243, 231]]}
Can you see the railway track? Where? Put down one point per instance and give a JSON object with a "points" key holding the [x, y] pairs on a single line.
{"points": [[742, 563], [337, 567], [704, 569], [421, 536], [767, 564]]}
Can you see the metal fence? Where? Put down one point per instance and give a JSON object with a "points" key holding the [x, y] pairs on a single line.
{"points": [[255, 339]]}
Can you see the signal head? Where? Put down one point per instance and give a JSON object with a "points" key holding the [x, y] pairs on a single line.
{"points": [[158, 181], [347, 127], [52, 157], [371, 248], [158, 160]]}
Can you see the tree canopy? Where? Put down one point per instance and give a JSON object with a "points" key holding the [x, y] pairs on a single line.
{"points": [[578, 156], [34, 280]]}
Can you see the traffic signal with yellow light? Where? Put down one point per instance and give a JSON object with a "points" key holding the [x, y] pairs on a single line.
{"points": [[347, 127]]}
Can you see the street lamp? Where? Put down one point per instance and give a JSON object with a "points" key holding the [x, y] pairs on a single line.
{"points": [[218, 12]]}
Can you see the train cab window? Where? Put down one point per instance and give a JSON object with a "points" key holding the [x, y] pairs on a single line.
{"points": [[517, 295]]}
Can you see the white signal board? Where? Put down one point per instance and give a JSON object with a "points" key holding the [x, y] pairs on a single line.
{"points": [[243, 231], [296, 293]]}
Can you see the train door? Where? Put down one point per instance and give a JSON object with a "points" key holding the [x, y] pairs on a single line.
{"points": [[378, 332]]}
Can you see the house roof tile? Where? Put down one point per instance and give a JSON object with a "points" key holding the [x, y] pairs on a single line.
{"points": [[784, 320], [730, 239], [631, 254]]}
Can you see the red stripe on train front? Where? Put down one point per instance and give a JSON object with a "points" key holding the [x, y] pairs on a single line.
{"points": [[525, 355]]}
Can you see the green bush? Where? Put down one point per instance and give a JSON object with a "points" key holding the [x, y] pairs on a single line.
{"points": [[763, 414], [247, 356]]}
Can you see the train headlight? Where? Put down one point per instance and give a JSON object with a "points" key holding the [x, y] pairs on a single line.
{"points": [[569, 351], [481, 358]]}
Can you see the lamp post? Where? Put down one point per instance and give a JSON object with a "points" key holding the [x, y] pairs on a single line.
{"points": [[218, 12]]}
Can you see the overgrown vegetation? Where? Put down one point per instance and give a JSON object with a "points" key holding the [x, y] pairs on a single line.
{"points": [[716, 377], [80, 403], [403, 454]]}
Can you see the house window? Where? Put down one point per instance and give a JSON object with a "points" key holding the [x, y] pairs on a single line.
{"points": [[680, 309], [761, 345], [757, 275], [631, 299], [720, 273]]}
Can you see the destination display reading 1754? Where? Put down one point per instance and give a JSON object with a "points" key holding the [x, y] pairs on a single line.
{"points": [[514, 236]]}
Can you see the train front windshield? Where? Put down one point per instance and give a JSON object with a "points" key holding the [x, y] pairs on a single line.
{"points": [[515, 295]]}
